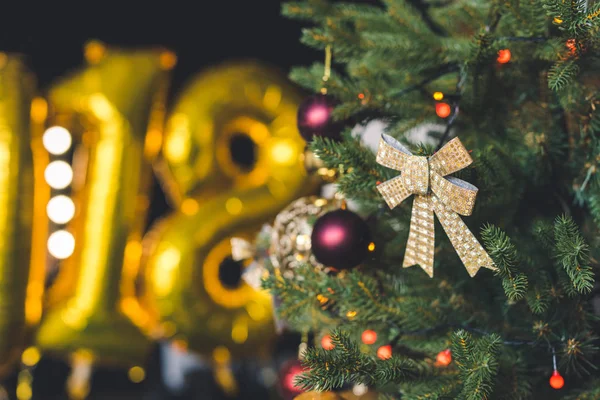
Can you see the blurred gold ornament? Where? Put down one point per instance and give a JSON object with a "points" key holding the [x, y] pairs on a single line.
{"points": [[109, 107], [16, 206], [231, 160], [434, 193], [358, 393], [291, 233], [314, 395]]}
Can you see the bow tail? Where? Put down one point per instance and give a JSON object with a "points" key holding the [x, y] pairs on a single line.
{"points": [[467, 246], [420, 245]]}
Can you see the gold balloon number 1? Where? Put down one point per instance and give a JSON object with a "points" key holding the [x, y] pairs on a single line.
{"points": [[113, 108]]}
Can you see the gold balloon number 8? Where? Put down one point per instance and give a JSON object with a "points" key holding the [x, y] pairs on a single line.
{"points": [[232, 159]]}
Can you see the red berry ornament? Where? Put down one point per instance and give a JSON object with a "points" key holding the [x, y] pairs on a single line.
{"points": [[369, 336], [556, 380]]}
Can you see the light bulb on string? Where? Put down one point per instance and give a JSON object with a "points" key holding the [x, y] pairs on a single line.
{"points": [[556, 380], [60, 209], [504, 56], [369, 336], [444, 358], [58, 174], [326, 343], [442, 110], [57, 140], [384, 352], [61, 244]]}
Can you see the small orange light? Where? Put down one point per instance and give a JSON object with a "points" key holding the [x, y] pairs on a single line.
{"points": [[326, 343], [438, 96], [371, 246], [369, 336], [557, 20], [442, 110], [351, 314], [444, 358], [557, 381], [384, 352], [571, 45], [503, 56], [361, 96]]}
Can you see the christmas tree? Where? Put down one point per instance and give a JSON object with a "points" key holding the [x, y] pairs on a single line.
{"points": [[516, 81]]}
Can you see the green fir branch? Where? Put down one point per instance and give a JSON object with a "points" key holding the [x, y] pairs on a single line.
{"points": [[571, 253], [505, 257]]}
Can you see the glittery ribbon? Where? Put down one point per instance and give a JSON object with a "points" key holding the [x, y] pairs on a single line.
{"points": [[437, 193]]}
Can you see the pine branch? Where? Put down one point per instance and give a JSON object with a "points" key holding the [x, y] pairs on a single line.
{"points": [[477, 362], [571, 252], [505, 257]]}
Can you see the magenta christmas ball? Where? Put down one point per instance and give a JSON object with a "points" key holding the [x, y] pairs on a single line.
{"points": [[314, 118], [340, 239]]}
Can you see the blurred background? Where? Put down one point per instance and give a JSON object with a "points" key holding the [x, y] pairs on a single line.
{"points": [[202, 34]]}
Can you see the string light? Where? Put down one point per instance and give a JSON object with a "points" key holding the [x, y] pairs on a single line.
{"points": [[58, 174], [369, 336], [326, 343], [442, 110], [444, 358], [61, 244], [384, 352], [136, 374], [556, 380], [438, 96], [60, 209], [571, 45], [57, 140], [558, 21], [503, 56]]}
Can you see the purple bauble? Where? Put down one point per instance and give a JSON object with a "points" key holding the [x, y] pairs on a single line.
{"points": [[340, 239], [314, 118]]}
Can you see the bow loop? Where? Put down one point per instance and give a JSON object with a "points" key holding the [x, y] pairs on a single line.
{"points": [[446, 196]]}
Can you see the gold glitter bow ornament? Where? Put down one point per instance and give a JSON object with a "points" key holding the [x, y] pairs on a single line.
{"points": [[437, 193]]}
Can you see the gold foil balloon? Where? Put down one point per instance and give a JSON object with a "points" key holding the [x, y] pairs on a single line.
{"points": [[232, 160], [113, 107], [16, 205]]}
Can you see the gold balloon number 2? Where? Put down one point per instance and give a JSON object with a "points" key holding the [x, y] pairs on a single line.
{"points": [[232, 158]]}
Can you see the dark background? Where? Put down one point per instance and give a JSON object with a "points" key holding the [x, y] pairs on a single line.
{"points": [[202, 33]]}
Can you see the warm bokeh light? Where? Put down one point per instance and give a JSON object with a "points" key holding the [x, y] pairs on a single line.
{"points": [[557, 381], [444, 358], [233, 206], [384, 352], [60, 209], [503, 56], [369, 336], [61, 244], [442, 110], [58, 174], [31, 356], [326, 343], [57, 140], [438, 96], [136, 374]]}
